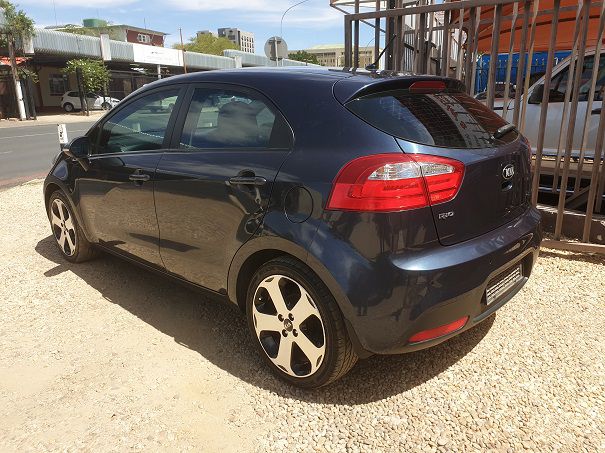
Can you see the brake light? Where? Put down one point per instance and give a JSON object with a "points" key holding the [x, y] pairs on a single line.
{"points": [[440, 331], [427, 86], [395, 182]]}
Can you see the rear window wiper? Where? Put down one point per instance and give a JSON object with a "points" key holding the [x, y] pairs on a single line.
{"points": [[502, 131]]}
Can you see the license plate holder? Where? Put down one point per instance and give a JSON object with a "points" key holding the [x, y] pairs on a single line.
{"points": [[502, 283]]}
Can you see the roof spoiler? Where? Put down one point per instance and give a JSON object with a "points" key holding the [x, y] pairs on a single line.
{"points": [[347, 89]]}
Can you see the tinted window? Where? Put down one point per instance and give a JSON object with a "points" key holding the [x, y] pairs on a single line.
{"points": [[498, 93], [442, 119], [140, 125], [561, 82], [232, 119]]}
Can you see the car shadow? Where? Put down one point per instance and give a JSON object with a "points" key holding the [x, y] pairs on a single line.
{"points": [[219, 333]]}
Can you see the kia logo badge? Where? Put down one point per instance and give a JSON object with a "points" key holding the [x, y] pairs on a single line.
{"points": [[508, 172]]}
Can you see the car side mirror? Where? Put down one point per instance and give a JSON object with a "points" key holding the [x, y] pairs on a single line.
{"points": [[78, 149]]}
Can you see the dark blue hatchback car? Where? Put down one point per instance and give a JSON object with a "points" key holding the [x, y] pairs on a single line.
{"points": [[347, 213]]}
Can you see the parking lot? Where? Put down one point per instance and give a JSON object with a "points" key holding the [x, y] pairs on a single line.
{"points": [[106, 356]]}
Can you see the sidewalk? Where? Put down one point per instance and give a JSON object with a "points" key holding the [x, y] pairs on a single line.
{"points": [[55, 118]]}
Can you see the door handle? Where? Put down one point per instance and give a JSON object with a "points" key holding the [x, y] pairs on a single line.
{"points": [[596, 111], [247, 181], [139, 177]]}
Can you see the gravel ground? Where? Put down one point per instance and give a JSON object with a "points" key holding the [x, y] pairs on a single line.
{"points": [[104, 356]]}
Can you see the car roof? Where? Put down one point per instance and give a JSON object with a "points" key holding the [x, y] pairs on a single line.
{"points": [[293, 73], [285, 77]]}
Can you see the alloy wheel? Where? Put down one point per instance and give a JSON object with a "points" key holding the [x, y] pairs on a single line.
{"points": [[63, 227], [289, 326]]}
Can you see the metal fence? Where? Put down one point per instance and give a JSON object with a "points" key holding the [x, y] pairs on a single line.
{"points": [[444, 38]]}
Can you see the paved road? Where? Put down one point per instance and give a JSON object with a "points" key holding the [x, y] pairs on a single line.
{"points": [[26, 152]]}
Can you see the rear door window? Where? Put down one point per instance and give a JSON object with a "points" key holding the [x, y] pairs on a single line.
{"points": [[228, 118], [443, 119]]}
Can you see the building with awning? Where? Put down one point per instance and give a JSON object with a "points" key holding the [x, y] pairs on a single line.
{"points": [[131, 64]]}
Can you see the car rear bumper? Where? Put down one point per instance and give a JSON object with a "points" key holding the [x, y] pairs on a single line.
{"points": [[389, 302]]}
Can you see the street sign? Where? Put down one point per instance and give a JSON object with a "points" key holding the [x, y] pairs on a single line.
{"points": [[62, 131], [276, 48]]}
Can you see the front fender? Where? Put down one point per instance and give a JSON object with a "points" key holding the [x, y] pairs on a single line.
{"points": [[59, 177]]}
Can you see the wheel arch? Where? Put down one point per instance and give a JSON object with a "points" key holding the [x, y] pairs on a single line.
{"points": [[53, 184], [252, 255], [260, 250]]}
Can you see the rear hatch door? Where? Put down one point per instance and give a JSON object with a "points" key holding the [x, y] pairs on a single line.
{"points": [[443, 121]]}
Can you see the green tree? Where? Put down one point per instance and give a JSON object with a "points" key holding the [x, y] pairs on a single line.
{"points": [[207, 44], [17, 27], [304, 56], [95, 76]]}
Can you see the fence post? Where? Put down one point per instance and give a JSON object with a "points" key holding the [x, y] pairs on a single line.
{"points": [[545, 98], [509, 61], [572, 118], [491, 75], [565, 113], [521, 62]]}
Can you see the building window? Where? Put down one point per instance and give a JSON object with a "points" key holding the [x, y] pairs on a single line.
{"points": [[141, 37], [58, 84]]}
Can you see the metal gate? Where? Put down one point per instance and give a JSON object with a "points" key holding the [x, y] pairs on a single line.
{"points": [[444, 39]]}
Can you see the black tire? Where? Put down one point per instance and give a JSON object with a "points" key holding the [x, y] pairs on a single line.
{"points": [[68, 107], [339, 356], [106, 106], [82, 250]]}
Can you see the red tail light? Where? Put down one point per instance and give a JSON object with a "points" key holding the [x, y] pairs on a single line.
{"points": [[395, 182], [440, 331]]}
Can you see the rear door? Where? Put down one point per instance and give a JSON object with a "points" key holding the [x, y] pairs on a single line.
{"points": [[213, 186], [496, 183]]}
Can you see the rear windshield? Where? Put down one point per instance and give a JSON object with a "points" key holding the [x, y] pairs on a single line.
{"points": [[443, 119]]}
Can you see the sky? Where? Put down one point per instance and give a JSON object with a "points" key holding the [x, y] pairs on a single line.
{"points": [[311, 23]]}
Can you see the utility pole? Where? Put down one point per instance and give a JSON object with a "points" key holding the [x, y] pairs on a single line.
{"points": [[183, 50], [13, 59]]}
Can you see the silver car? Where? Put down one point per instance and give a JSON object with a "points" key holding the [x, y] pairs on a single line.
{"points": [[555, 127]]}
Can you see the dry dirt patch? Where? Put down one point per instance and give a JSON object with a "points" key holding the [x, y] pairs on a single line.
{"points": [[105, 356]]}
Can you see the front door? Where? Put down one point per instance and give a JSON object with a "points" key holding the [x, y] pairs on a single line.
{"points": [[116, 192], [212, 189]]}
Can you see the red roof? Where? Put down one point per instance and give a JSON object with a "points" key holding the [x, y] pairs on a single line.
{"points": [[565, 28], [5, 61]]}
